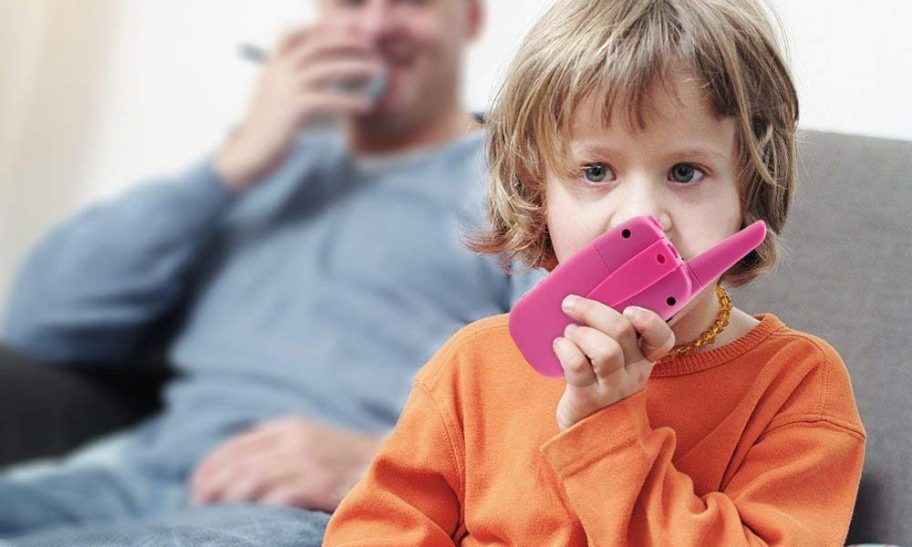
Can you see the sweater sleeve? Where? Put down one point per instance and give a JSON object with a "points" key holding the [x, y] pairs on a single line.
{"points": [[796, 486], [93, 284], [411, 493]]}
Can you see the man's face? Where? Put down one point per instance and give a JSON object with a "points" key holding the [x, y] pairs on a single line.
{"points": [[421, 44]]}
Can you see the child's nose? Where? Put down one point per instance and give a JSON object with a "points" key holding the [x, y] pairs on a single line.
{"points": [[641, 198]]}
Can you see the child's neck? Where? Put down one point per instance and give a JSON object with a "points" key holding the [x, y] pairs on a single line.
{"points": [[699, 319]]}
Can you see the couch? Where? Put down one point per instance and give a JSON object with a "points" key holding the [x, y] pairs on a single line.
{"points": [[846, 276]]}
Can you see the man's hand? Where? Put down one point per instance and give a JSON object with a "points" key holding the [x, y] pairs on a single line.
{"points": [[602, 358], [293, 87], [290, 461]]}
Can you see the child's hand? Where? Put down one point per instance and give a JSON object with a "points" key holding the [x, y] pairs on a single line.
{"points": [[602, 359]]}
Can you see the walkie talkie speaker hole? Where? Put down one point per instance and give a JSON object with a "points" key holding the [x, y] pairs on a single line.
{"points": [[625, 234], [661, 258], [671, 301]]}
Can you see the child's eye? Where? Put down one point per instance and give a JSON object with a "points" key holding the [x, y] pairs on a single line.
{"points": [[684, 173], [596, 172]]}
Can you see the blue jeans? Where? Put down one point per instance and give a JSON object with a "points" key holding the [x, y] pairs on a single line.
{"points": [[96, 498]]}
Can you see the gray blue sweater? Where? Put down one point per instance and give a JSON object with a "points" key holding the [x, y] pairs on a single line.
{"points": [[318, 292]]}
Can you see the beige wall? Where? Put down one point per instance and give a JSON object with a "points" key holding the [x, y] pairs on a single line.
{"points": [[51, 77]]}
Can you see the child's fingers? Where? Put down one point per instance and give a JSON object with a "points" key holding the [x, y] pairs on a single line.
{"points": [[607, 320], [605, 353], [657, 338], [577, 368]]}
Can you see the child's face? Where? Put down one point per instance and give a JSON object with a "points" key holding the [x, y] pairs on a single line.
{"points": [[680, 169]]}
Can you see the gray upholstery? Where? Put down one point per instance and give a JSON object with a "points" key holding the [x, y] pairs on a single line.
{"points": [[846, 277]]}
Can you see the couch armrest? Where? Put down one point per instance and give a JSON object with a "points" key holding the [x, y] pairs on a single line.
{"points": [[47, 410]]}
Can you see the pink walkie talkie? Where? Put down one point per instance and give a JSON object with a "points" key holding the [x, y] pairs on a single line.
{"points": [[634, 264]]}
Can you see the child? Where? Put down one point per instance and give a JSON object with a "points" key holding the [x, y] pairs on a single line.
{"points": [[746, 433]]}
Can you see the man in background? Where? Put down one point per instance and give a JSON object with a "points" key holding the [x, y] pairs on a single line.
{"points": [[315, 270]]}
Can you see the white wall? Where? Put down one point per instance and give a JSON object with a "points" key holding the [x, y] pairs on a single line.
{"points": [[177, 85], [172, 84], [852, 63]]}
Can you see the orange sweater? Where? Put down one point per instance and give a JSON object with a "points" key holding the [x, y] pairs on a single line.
{"points": [[756, 442]]}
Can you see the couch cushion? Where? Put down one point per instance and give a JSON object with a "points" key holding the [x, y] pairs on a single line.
{"points": [[845, 276]]}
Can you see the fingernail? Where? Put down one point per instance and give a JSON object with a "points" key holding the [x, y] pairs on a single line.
{"points": [[633, 312], [570, 302], [570, 328]]}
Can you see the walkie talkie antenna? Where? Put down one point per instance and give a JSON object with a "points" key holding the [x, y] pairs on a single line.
{"points": [[714, 262]]}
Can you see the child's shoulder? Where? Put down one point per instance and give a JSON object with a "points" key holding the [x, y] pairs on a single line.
{"points": [[471, 348], [787, 338], [815, 374], [482, 329], [808, 350]]}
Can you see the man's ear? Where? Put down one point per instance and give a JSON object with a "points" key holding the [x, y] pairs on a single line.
{"points": [[476, 19]]}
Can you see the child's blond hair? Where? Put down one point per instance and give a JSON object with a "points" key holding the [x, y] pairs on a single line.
{"points": [[619, 50]]}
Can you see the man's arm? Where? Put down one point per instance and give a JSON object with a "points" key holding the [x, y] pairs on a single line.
{"points": [[89, 289]]}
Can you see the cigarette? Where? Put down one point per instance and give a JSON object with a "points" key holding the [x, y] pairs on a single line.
{"points": [[374, 88], [253, 53]]}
